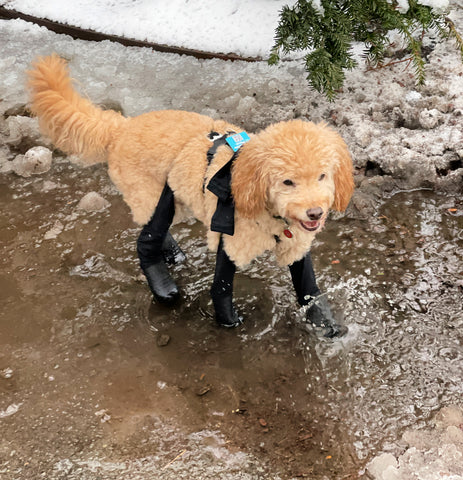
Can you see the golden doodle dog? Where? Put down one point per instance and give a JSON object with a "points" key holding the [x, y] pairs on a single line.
{"points": [[272, 191]]}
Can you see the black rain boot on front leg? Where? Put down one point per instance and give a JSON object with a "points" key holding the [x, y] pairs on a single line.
{"points": [[151, 248], [222, 290], [319, 311]]}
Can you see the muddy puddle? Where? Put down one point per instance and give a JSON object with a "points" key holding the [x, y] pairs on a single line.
{"points": [[96, 381]]}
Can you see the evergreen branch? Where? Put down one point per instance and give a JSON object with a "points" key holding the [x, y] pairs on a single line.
{"points": [[328, 34], [407, 60], [453, 33]]}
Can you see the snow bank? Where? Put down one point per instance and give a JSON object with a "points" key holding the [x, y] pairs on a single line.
{"points": [[245, 27]]}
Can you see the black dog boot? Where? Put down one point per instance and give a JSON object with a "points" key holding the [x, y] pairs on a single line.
{"points": [[154, 244], [161, 283], [225, 313], [222, 290], [173, 254], [152, 263], [318, 312]]}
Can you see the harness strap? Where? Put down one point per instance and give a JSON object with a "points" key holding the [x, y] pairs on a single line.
{"points": [[223, 220], [218, 141]]}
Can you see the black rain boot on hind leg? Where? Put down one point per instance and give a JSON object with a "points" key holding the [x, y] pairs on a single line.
{"points": [[161, 284], [151, 248], [173, 254], [319, 312], [222, 291]]}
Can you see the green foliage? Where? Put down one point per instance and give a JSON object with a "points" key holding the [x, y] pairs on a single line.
{"points": [[327, 34]]}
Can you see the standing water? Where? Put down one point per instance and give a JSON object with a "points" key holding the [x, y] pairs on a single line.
{"points": [[96, 381]]}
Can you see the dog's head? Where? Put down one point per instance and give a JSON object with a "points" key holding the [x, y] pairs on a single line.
{"points": [[296, 170]]}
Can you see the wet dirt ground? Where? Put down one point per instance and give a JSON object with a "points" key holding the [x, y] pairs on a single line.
{"points": [[98, 382]]}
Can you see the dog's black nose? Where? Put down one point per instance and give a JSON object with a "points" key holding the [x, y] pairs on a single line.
{"points": [[314, 213]]}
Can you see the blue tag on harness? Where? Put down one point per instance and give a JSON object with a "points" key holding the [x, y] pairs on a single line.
{"points": [[237, 140]]}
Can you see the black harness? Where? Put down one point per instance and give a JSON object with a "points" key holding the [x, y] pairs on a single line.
{"points": [[223, 220]]}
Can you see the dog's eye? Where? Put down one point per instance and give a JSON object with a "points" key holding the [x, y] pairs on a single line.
{"points": [[288, 182], [321, 177]]}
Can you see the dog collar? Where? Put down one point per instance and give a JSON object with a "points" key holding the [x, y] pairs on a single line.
{"points": [[286, 232]]}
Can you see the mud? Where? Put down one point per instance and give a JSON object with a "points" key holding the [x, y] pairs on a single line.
{"points": [[97, 381]]}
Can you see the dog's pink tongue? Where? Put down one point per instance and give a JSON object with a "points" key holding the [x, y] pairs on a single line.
{"points": [[310, 224]]}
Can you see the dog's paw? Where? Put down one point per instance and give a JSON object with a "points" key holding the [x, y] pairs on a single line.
{"points": [[161, 284], [333, 331], [226, 314], [235, 321], [171, 251], [174, 257], [320, 315]]}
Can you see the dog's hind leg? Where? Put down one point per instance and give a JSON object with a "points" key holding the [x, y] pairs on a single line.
{"points": [[171, 251], [222, 290], [319, 312], [152, 243]]}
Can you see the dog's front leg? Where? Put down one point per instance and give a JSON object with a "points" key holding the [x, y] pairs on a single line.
{"points": [[154, 244], [222, 290], [319, 312]]}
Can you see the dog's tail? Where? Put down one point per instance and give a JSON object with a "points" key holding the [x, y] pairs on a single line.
{"points": [[73, 123]]}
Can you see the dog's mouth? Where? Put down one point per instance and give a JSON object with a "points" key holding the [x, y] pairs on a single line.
{"points": [[312, 225]]}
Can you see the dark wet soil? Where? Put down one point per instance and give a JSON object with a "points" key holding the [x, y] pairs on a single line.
{"points": [[92, 371]]}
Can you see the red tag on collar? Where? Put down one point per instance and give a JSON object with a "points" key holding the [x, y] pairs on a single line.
{"points": [[288, 233]]}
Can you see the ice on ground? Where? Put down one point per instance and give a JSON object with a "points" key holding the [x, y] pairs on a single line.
{"points": [[10, 410], [92, 202], [429, 453], [35, 161]]}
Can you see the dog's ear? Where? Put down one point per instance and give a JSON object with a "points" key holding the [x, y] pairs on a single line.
{"points": [[249, 184], [343, 179]]}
